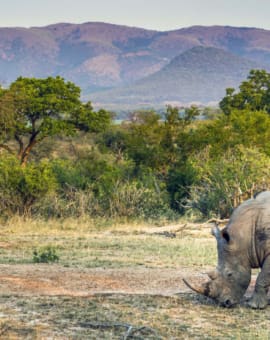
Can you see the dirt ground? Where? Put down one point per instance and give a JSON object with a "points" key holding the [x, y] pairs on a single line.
{"points": [[55, 280], [134, 289]]}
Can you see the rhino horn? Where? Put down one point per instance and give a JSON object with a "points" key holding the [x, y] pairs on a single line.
{"points": [[201, 289]]}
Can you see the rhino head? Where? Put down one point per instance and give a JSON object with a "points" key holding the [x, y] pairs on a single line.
{"points": [[231, 279]]}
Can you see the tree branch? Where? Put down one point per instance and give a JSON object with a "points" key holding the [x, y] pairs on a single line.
{"points": [[29, 147], [20, 142]]}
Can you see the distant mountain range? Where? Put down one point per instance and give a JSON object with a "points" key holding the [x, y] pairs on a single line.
{"points": [[119, 65], [201, 74]]}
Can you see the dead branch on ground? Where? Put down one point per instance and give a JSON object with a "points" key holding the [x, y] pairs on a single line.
{"points": [[130, 329]]}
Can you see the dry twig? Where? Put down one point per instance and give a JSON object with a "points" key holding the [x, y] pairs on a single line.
{"points": [[131, 330], [216, 220]]}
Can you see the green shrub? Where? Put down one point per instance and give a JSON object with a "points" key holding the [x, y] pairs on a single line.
{"points": [[45, 254], [37, 182], [179, 180], [71, 202], [132, 199], [91, 170], [22, 187], [223, 183], [11, 175]]}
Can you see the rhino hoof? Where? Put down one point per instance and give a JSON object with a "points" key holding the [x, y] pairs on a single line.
{"points": [[258, 301]]}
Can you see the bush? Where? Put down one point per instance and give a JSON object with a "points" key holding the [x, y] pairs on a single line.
{"points": [[97, 186], [21, 188], [45, 254], [71, 202], [180, 179], [132, 199], [85, 186], [90, 170], [11, 175], [223, 183]]}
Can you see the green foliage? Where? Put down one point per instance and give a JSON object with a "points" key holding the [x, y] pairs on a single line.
{"points": [[151, 142], [223, 183], [33, 109], [38, 180], [143, 140], [253, 95], [99, 187], [86, 119], [116, 141], [85, 186], [89, 171], [180, 179], [10, 176], [148, 168], [241, 127], [132, 199], [250, 128], [21, 188], [47, 254]]}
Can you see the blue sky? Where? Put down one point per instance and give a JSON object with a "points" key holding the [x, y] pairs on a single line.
{"points": [[152, 14]]}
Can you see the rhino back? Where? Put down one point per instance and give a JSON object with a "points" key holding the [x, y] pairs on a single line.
{"points": [[263, 196], [249, 227], [262, 233], [255, 211]]}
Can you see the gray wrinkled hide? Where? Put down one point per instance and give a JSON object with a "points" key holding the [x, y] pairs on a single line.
{"points": [[242, 245], [249, 230]]}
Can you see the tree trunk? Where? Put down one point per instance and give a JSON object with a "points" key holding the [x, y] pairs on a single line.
{"points": [[27, 150], [20, 142]]}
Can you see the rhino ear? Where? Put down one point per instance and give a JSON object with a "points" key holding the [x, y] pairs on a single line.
{"points": [[220, 234], [215, 231], [226, 235]]}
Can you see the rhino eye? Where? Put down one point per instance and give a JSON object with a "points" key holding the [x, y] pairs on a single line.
{"points": [[229, 274], [226, 235]]}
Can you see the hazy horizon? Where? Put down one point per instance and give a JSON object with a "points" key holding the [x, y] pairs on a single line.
{"points": [[162, 15]]}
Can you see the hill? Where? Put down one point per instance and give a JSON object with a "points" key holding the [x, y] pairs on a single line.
{"points": [[99, 56], [200, 74]]}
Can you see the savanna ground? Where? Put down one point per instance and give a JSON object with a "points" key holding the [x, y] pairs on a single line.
{"points": [[113, 282]]}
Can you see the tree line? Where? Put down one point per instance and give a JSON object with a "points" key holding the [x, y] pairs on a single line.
{"points": [[60, 158]]}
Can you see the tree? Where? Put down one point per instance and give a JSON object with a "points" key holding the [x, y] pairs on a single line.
{"points": [[33, 109], [241, 127], [143, 140], [253, 95], [175, 132]]}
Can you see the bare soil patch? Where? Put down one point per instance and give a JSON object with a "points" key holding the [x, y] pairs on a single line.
{"points": [[51, 301], [119, 283], [55, 280], [52, 280]]}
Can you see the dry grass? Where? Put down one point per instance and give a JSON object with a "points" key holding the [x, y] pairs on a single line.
{"points": [[106, 317], [83, 244], [90, 244]]}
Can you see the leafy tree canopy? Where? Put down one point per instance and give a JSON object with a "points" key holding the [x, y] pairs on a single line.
{"points": [[150, 141], [32, 109], [253, 94]]}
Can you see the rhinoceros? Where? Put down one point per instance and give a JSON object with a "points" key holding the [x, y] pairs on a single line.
{"points": [[242, 245]]}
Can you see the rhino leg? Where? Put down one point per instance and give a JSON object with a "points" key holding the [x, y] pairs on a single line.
{"points": [[259, 299]]}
